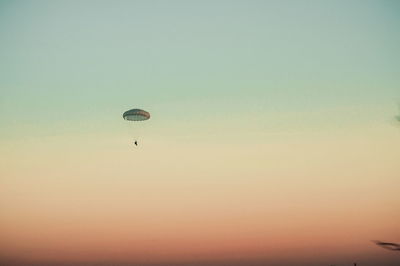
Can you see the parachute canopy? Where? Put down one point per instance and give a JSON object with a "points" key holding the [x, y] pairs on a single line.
{"points": [[387, 245], [136, 115]]}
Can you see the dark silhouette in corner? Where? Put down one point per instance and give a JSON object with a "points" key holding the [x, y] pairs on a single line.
{"points": [[387, 245]]}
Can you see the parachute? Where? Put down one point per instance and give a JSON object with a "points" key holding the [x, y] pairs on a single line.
{"points": [[136, 115], [387, 245]]}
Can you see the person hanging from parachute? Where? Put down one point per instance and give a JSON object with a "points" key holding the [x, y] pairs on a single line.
{"points": [[136, 115]]}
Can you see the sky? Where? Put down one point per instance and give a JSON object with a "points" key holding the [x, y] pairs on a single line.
{"points": [[272, 138]]}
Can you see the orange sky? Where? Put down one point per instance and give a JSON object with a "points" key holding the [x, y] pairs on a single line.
{"points": [[292, 198]]}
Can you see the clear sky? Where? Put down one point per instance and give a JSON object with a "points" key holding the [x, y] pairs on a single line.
{"points": [[272, 139]]}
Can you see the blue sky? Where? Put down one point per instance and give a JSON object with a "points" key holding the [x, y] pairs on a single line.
{"points": [[74, 60]]}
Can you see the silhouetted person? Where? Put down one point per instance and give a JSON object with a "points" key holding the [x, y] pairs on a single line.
{"points": [[136, 142]]}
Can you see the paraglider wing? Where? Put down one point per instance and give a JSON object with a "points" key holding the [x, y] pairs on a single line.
{"points": [[136, 115], [387, 245]]}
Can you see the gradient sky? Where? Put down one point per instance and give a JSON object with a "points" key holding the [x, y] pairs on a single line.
{"points": [[272, 139]]}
